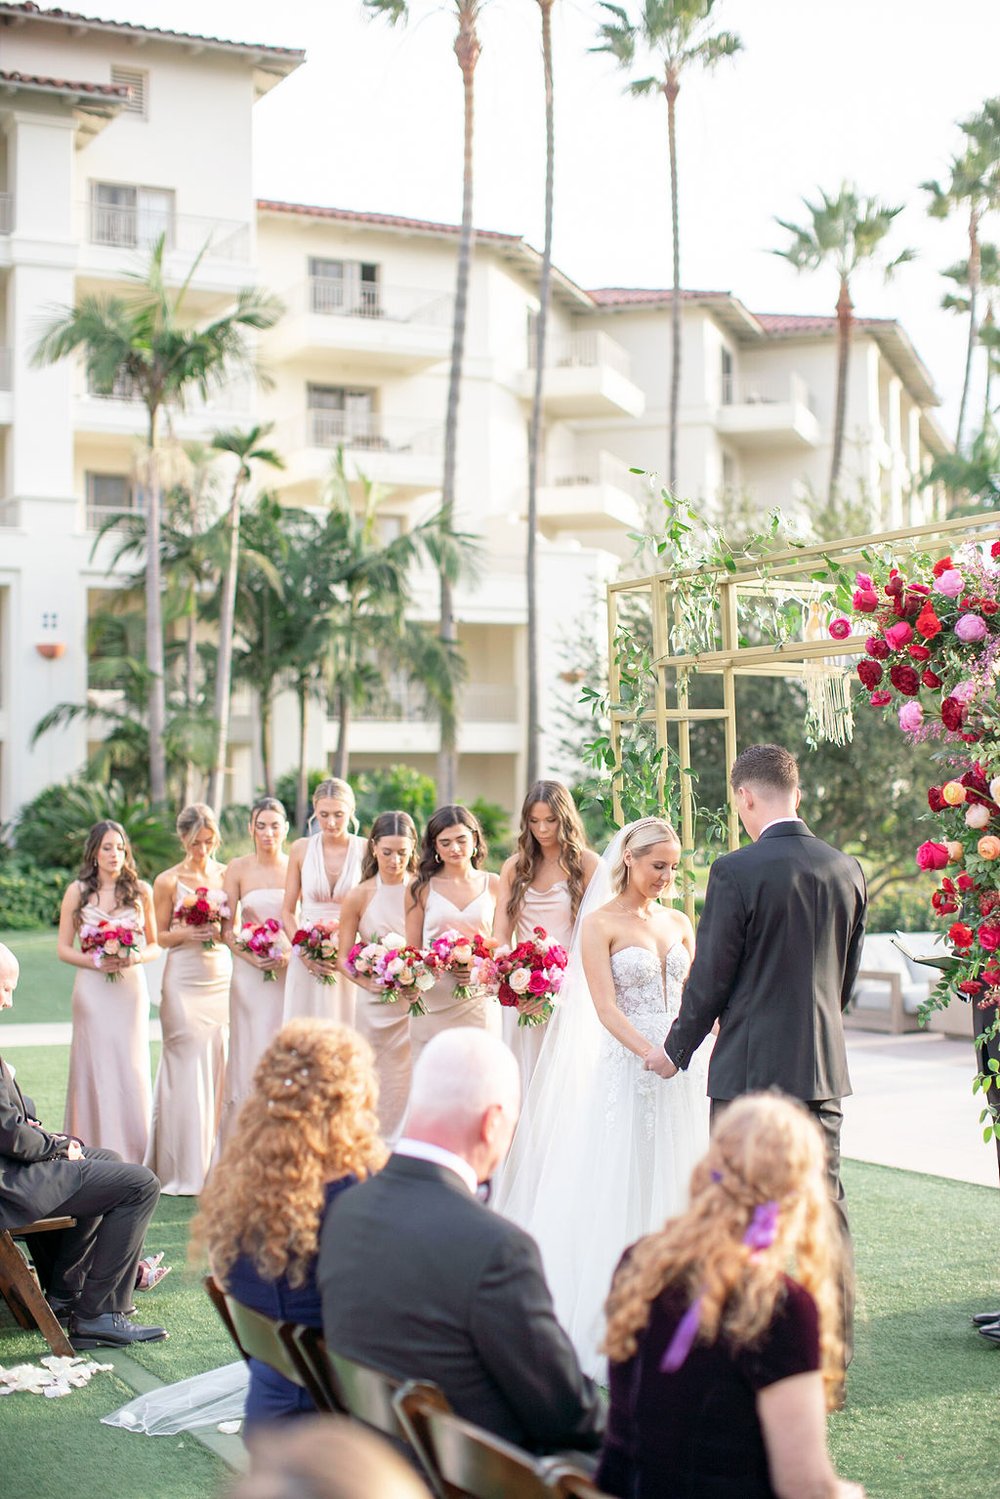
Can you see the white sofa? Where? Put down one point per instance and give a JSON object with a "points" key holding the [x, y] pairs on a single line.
{"points": [[890, 987]]}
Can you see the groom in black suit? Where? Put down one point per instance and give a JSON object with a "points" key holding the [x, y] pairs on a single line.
{"points": [[779, 947]]}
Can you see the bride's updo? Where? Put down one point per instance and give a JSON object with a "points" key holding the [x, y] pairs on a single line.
{"points": [[636, 838]]}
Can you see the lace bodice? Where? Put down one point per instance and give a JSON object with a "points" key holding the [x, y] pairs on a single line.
{"points": [[645, 991]]}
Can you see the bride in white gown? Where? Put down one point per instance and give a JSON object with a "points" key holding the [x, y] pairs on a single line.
{"points": [[605, 1149]]}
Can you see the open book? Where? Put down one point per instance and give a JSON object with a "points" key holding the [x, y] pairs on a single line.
{"points": [[943, 961]]}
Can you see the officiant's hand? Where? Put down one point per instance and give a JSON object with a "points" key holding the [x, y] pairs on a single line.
{"points": [[656, 1060]]}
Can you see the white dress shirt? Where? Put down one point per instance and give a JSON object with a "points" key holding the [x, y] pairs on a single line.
{"points": [[422, 1150], [774, 823]]}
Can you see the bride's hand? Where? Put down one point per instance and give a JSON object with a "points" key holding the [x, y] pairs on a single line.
{"points": [[656, 1060]]}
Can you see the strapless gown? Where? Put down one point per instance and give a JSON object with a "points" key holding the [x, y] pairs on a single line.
{"points": [[255, 1011], [108, 1096], [187, 1100], [552, 910], [305, 995], [386, 1027], [444, 1011]]}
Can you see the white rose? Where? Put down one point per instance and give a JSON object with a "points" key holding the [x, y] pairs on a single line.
{"points": [[392, 939], [520, 979], [425, 981], [462, 954]]}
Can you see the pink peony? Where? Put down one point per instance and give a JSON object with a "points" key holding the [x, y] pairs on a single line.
{"points": [[897, 636], [840, 628], [964, 692], [970, 629], [911, 716], [950, 583]]}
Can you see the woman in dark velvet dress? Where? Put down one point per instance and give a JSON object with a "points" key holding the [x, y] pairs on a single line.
{"points": [[308, 1131], [721, 1365]]}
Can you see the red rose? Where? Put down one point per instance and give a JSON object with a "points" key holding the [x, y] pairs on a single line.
{"points": [[992, 976], [870, 673], [895, 582], [932, 855], [840, 628], [951, 714], [960, 935], [943, 904], [919, 652], [944, 566], [995, 549], [865, 601], [931, 679], [935, 800], [904, 679], [969, 986], [988, 606], [988, 903], [966, 883], [877, 647], [928, 624], [880, 699], [989, 937]]}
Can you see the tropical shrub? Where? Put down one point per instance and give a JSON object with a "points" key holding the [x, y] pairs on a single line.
{"points": [[29, 896], [51, 831], [398, 788]]}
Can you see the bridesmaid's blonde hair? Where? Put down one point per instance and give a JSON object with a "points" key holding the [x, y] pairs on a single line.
{"points": [[193, 819], [340, 791], [638, 837]]}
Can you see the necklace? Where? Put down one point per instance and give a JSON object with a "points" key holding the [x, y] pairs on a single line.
{"points": [[632, 911]]}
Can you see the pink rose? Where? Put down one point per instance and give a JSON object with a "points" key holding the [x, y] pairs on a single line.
{"points": [[864, 581], [950, 583], [970, 629], [932, 855], [880, 699], [897, 636], [840, 628], [989, 937], [864, 601], [911, 716], [538, 983]]}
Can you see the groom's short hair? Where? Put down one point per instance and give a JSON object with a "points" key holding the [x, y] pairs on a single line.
{"points": [[766, 767]]}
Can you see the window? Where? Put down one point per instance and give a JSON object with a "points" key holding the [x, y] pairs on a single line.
{"points": [[349, 287], [135, 217], [108, 495], [339, 415], [138, 82], [728, 380]]}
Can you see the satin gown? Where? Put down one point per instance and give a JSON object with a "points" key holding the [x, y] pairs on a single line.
{"points": [[187, 1100], [386, 1026], [256, 1008], [305, 995], [551, 909], [108, 1097], [444, 1012]]}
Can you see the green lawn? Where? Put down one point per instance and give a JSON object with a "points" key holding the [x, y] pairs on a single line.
{"points": [[919, 1392], [45, 985]]}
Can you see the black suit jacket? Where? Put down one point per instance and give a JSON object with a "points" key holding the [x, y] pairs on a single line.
{"points": [[779, 946], [419, 1279], [34, 1181]]}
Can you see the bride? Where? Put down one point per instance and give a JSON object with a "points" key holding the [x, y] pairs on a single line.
{"points": [[605, 1148]]}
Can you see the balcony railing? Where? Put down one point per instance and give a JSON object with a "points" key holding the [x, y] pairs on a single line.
{"points": [[598, 468], [6, 213], [588, 350], [407, 702], [140, 228], [751, 390], [234, 396], [6, 368], [99, 515], [371, 432], [375, 300]]}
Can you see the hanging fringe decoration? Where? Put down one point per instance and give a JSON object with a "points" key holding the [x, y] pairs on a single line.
{"points": [[829, 710]]}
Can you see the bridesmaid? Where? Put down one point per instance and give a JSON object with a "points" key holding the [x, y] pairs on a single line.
{"points": [[108, 1098], [321, 871], [371, 911], [194, 1014], [448, 892], [542, 884], [255, 888]]}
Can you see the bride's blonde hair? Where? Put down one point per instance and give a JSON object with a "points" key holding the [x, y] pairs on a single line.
{"points": [[639, 836]]}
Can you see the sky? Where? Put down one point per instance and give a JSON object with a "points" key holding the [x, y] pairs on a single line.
{"points": [[867, 91]]}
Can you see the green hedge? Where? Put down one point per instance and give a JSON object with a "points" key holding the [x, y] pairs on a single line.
{"points": [[30, 896]]}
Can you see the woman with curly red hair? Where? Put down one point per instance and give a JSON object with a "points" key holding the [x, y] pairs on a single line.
{"points": [[308, 1131], [722, 1364]]}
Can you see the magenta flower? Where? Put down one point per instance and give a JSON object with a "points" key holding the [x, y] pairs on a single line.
{"points": [[911, 717], [899, 635], [970, 629], [840, 628], [864, 580], [951, 583]]}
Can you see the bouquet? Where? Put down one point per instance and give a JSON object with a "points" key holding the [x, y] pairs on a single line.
{"points": [[454, 950], [265, 940], [363, 958], [106, 940], [318, 943], [531, 972], [205, 908], [398, 970]]}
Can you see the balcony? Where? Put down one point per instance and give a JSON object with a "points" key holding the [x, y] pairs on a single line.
{"points": [[403, 454], [598, 494], [586, 375], [116, 239], [767, 411], [402, 720], [368, 326], [122, 413], [96, 516]]}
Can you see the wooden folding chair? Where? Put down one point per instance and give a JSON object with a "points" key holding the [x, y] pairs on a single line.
{"points": [[267, 1339], [21, 1291], [465, 1461]]}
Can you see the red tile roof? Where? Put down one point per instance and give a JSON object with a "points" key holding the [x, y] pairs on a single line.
{"points": [[777, 323], [379, 220], [104, 90], [30, 11]]}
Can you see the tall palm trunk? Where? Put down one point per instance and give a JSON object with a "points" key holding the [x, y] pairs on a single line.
{"points": [[672, 88], [974, 276], [266, 701], [302, 783], [157, 698], [535, 432], [190, 682], [224, 655], [341, 757], [467, 51], [845, 310]]}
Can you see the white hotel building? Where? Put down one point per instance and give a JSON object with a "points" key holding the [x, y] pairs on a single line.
{"points": [[112, 134]]}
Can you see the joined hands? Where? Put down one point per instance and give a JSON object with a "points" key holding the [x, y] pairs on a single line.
{"points": [[656, 1060]]}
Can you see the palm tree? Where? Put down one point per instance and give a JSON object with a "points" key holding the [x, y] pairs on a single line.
{"points": [[845, 232], [467, 49], [247, 448], [535, 430], [147, 342], [962, 302], [262, 658], [678, 35], [974, 186]]}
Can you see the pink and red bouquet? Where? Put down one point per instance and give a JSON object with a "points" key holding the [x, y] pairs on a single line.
{"points": [[398, 970], [205, 908], [108, 940], [265, 940], [529, 974], [457, 953], [318, 943]]}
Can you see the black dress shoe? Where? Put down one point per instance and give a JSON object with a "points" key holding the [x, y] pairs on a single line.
{"points": [[991, 1333], [983, 1319], [112, 1330]]}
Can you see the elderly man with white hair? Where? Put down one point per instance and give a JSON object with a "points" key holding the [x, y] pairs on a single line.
{"points": [[87, 1272], [421, 1280]]}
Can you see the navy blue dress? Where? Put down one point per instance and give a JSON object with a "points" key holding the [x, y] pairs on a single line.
{"points": [[271, 1396]]}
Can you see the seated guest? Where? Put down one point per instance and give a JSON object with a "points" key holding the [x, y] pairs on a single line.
{"points": [[88, 1272], [308, 1130], [722, 1366], [423, 1281], [327, 1457]]}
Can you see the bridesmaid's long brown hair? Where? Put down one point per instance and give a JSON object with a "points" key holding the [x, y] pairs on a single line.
{"points": [[445, 817], [127, 891], [389, 825], [572, 842]]}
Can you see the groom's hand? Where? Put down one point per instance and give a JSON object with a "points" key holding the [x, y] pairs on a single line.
{"points": [[656, 1060]]}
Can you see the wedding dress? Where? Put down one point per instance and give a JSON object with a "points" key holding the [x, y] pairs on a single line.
{"points": [[604, 1150]]}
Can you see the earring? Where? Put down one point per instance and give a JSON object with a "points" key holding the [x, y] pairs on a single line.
{"points": [[437, 857], [475, 852]]}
